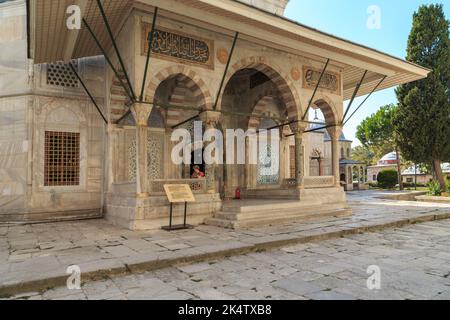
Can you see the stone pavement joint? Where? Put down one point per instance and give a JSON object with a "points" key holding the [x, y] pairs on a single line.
{"points": [[103, 251]]}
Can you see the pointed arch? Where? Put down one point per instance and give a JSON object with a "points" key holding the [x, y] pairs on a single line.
{"points": [[192, 81], [328, 109], [285, 86]]}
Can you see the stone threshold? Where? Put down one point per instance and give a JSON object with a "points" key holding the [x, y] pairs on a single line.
{"points": [[190, 256]]}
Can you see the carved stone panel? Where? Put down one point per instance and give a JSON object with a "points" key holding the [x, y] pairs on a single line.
{"points": [[131, 159], [155, 154], [179, 47], [330, 81]]}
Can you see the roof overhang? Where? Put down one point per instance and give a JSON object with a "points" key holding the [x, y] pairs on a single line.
{"points": [[50, 40]]}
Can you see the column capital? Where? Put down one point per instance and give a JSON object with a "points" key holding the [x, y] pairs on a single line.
{"points": [[335, 132], [299, 128], [141, 113], [210, 117]]}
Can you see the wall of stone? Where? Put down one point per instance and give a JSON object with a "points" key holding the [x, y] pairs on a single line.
{"points": [[14, 66], [15, 145], [31, 104], [68, 115], [247, 54]]}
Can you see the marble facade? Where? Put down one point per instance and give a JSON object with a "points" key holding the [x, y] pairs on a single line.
{"points": [[123, 164]]}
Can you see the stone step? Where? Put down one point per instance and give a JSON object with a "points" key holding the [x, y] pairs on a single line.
{"points": [[274, 212], [238, 207], [276, 219]]}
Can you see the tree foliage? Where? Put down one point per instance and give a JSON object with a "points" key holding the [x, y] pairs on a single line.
{"points": [[387, 179], [364, 154], [422, 120], [376, 132]]}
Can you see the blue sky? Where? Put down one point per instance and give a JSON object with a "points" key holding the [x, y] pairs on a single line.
{"points": [[348, 19]]}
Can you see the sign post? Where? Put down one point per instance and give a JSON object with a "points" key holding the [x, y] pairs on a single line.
{"points": [[178, 193]]}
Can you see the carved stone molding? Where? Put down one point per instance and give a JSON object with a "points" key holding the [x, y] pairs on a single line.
{"points": [[179, 47], [330, 81]]}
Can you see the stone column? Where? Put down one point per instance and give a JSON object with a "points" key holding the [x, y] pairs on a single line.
{"points": [[282, 158], [225, 183], [210, 119], [350, 175], [335, 133], [141, 113], [299, 158]]}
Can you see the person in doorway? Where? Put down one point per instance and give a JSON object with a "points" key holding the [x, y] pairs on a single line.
{"points": [[198, 174]]}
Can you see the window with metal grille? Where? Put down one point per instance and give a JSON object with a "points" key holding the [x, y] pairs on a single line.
{"points": [[61, 75], [62, 159]]}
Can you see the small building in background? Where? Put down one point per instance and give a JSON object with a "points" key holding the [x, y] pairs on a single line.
{"points": [[387, 162], [418, 176], [409, 175]]}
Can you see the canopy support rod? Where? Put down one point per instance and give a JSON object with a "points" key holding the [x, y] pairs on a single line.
{"points": [[108, 28], [150, 47], [315, 90], [87, 91], [233, 113], [225, 71], [354, 95], [107, 59], [123, 117], [315, 129], [310, 101], [362, 103]]}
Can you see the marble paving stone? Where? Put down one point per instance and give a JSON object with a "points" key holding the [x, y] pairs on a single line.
{"points": [[120, 251], [404, 254], [195, 268], [330, 295], [298, 286]]}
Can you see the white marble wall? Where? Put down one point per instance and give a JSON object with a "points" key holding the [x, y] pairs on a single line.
{"points": [[28, 107], [14, 66], [14, 149]]}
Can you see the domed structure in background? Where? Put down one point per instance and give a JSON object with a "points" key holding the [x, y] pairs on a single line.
{"points": [[387, 162], [388, 159], [411, 175]]}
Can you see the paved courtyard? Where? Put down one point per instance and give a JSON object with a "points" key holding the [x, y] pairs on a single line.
{"points": [[414, 263], [44, 251]]}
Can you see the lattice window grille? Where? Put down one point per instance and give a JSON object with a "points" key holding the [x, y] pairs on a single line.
{"points": [[155, 153], [60, 74], [62, 159], [132, 160]]}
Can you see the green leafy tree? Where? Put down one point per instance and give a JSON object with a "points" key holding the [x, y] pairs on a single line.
{"points": [[387, 179], [377, 133], [364, 154], [422, 121]]}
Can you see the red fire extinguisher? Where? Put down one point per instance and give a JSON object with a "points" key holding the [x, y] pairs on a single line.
{"points": [[237, 194]]}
